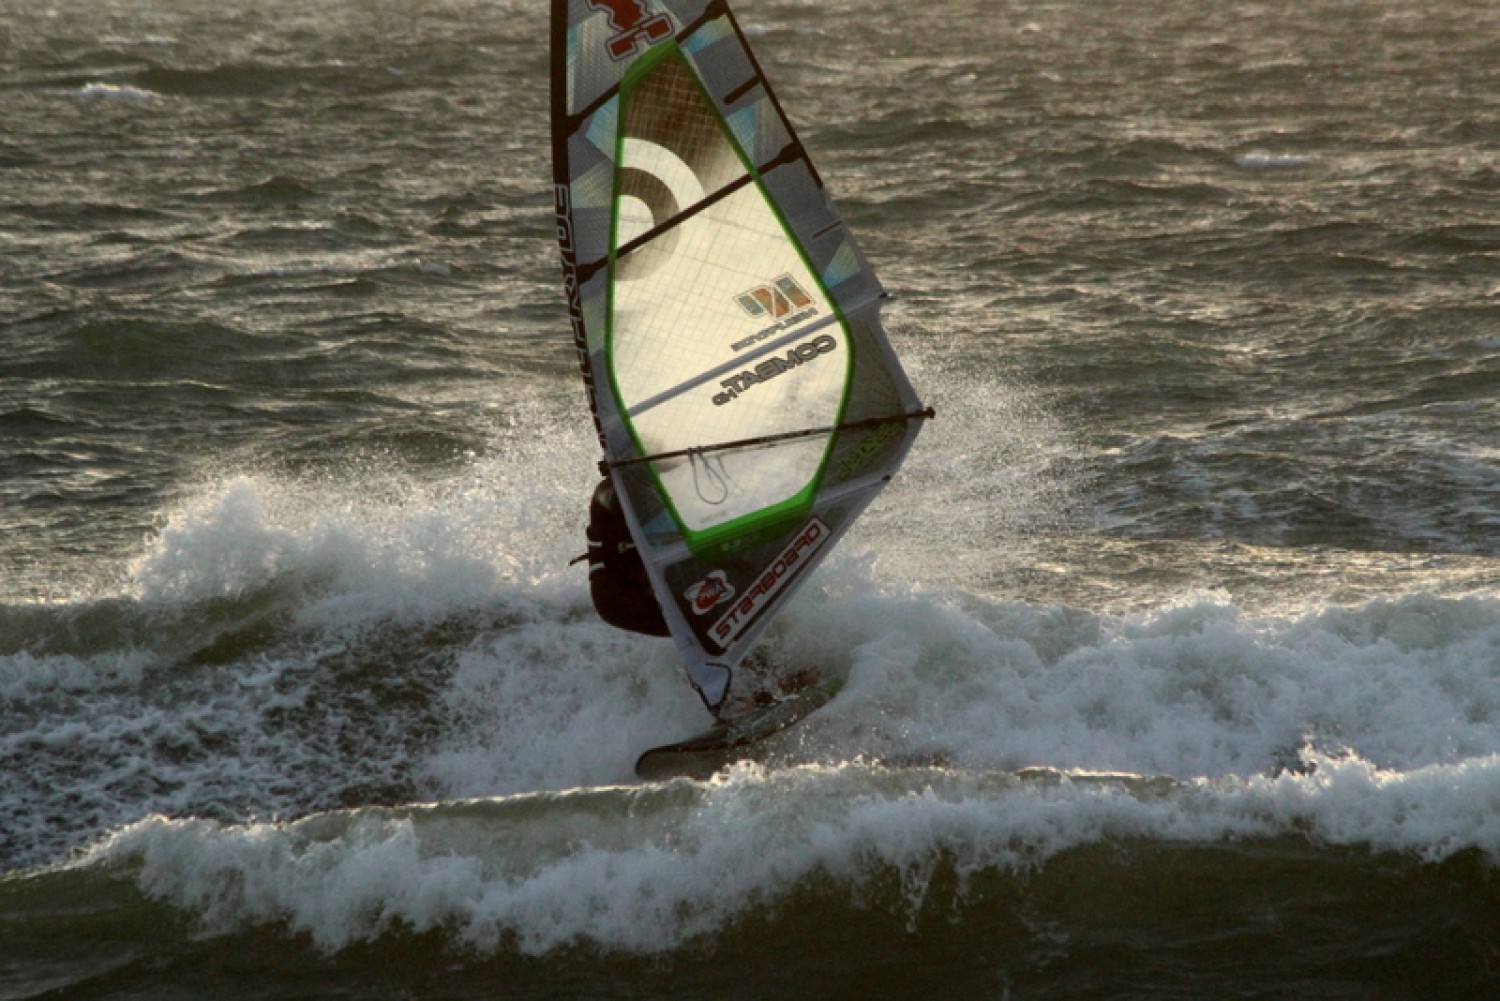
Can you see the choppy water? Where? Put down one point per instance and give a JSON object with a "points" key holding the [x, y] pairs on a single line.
{"points": [[1173, 661]]}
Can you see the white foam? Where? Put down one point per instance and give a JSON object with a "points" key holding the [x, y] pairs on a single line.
{"points": [[115, 92], [374, 546], [1193, 690], [26, 675], [993, 466], [553, 705], [550, 698], [647, 872], [1393, 703], [1261, 160]]}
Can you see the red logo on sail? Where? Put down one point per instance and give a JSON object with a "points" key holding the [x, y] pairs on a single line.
{"points": [[795, 558], [709, 593], [634, 24]]}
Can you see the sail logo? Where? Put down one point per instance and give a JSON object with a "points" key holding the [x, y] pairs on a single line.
{"points": [[736, 385], [709, 593], [634, 26], [795, 558], [783, 300], [776, 300]]}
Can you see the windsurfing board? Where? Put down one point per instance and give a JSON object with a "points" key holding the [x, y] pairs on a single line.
{"points": [[734, 738]]}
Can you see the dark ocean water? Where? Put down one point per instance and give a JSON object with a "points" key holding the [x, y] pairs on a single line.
{"points": [[1172, 661]]}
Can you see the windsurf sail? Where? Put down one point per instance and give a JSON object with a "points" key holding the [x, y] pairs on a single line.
{"points": [[746, 398]]}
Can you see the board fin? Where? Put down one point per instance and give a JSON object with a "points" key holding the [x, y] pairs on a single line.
{"points": [[733, 738]]}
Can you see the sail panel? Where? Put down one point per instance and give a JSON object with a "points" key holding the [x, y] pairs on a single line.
{"points": [[700, 341]]}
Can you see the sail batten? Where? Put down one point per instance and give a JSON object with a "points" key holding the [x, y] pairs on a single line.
{"points": [[717, 302]]}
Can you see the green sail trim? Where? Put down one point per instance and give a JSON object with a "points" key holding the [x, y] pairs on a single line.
{"points": [[787, 515]]}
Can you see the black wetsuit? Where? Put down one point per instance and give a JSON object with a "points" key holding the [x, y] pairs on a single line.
{"points": [[617, 577]]}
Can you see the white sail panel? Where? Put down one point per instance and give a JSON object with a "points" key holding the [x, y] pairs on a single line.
{"points": [[747, 356]]}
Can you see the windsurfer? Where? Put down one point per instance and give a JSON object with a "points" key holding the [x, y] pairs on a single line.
{"points": [[617, 576]]}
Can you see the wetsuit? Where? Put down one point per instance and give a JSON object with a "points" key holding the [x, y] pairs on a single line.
{"points": [[617, 577]]}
